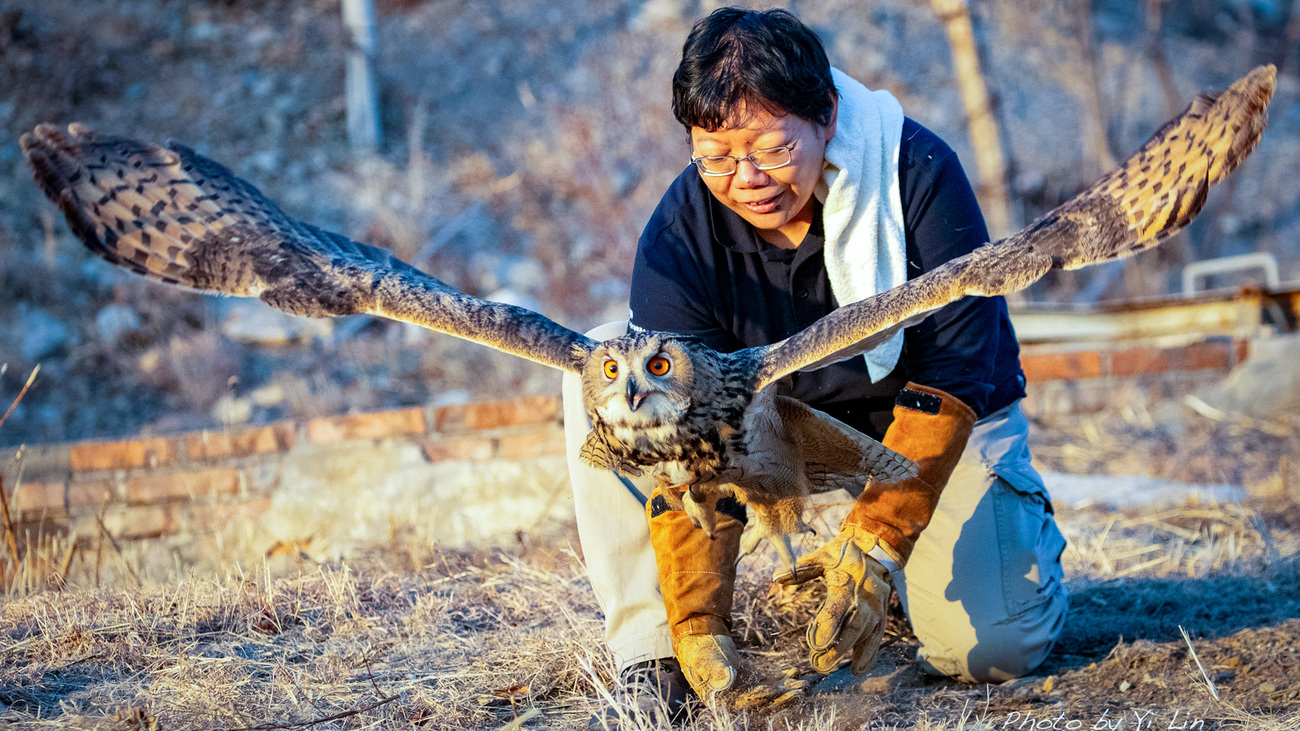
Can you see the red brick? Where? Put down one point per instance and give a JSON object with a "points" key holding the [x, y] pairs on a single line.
{"points": [[1136, 361], [165, 486], [30, 529], [122, 455], [496, 414], [214, 517], [1208, 356], [1215, 355], [386, 424], [542, 442], [326, 430], [377, 425], [36, 497], [1240, 350], [217, 445], [141, 521], [1061, 366], [90, 492], [464, 448]]}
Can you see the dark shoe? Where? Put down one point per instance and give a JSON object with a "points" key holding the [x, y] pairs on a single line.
{"points": [[650, 693]]}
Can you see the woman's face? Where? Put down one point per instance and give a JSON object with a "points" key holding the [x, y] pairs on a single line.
{"points": [[776, 202]]}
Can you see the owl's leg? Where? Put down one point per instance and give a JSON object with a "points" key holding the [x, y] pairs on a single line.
{"points": [[784, 550], [700, 507], [785, 519], [778, 522], [781, 543]]}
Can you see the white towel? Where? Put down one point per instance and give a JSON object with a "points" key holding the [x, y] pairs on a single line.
{"points": [[862, 208]]}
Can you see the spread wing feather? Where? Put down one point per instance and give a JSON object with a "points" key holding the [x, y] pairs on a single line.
{"points": [[175, 216], [1154, 194]]}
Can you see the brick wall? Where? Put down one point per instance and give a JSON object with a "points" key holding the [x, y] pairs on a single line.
{"points": [[194, 484], [1064, 379]]}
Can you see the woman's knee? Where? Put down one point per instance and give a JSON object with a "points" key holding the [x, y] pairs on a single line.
{"points": [[993, 651], [608, 330]]}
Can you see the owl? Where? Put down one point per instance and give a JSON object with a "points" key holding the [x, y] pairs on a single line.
{"points": [[707, 422]]}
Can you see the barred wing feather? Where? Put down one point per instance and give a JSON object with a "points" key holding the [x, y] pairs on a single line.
{"points": [[1154, 194], [170, 214]]}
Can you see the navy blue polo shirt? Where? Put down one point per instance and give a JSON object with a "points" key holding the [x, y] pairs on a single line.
{"points": [[702, 270]]}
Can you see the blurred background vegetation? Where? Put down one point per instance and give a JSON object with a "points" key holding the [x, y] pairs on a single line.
{"points": [[525, 145]]}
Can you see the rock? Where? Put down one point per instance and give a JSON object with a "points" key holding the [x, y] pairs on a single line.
{"points": [[1265, 386], [41, 333], [881, 678], [269, 395], [114, 321], [230, 409], [511, 296], [662, 15], [252, 321]]}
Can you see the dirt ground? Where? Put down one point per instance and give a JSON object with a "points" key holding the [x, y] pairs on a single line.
{"points": [[408, 634]]}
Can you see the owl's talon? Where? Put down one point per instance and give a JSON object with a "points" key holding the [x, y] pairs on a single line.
{"points": [[785, 550]]}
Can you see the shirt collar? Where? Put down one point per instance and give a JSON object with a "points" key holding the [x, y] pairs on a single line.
{"points": [[732, 232], [729, 230]]}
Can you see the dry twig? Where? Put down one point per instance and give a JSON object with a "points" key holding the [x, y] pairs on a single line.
{"points": [[30, 379], [1208, 683], [323, 719]]}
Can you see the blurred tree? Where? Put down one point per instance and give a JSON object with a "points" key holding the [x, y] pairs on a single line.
{"points": [[984, 136], [362, 93]]}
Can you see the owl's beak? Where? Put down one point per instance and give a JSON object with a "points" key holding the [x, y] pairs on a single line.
{"points": [[633, 395]]}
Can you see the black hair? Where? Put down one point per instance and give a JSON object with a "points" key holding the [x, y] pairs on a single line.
{"points": [[739, 60]]}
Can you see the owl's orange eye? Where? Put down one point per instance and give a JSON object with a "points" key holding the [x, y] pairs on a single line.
{"points": [[611, 369], [658, 366]]}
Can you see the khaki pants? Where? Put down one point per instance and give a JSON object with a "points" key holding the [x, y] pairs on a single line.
{"points": [[983, 587]]}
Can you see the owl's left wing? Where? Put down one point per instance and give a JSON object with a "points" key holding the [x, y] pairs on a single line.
{"points": [[1154, 194], [174, 216]]}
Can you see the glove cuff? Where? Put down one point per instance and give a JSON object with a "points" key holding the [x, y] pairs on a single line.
{"points": [[870, 544], [931, 428], [697, 574]]}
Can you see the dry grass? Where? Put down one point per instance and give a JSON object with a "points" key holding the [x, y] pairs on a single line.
{"points": [[1178, 615], [451, 646], [527, 144], [407, 634]]}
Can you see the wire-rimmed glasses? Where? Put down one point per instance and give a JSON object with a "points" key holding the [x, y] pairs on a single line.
{"points": [[768, 158]]}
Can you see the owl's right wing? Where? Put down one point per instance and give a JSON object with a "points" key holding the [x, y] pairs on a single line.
{"points": [[1154, 194], [175, 216]]}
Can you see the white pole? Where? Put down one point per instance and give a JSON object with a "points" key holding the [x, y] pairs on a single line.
{"points": [[362, 93]]}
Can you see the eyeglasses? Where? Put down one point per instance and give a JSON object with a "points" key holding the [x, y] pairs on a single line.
{"points": [[770, 158]]}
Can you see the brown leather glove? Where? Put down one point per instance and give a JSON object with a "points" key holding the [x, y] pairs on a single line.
{"points": [[930, 427], [697, 576]]}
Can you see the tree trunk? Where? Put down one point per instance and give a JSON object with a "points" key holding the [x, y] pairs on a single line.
{"points": [[362, 93], [1094, 114], [983, 128]]}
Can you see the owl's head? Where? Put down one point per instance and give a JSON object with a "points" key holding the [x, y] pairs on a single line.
{"points": [[641, 379]]}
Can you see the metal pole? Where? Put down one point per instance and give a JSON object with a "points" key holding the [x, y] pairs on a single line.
{"points": [[364, 133]]}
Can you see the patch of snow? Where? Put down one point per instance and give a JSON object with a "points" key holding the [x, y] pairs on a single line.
{"points": [[1122, 491], [251, 321]]}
